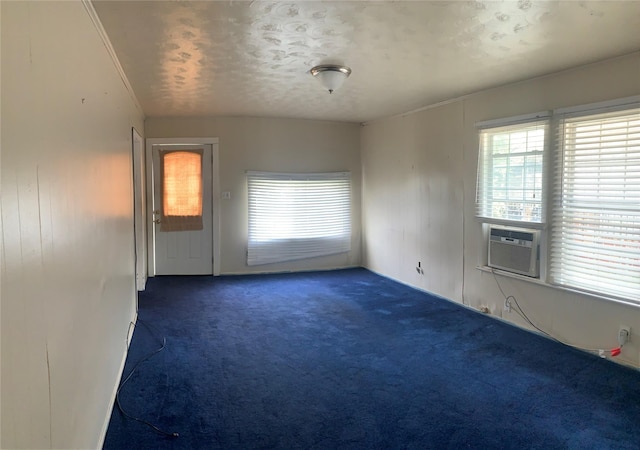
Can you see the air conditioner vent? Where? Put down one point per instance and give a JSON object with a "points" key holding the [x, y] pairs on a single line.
{"points": [[514, 250]]}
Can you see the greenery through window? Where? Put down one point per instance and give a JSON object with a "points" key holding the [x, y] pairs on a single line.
{"points": [[510, 173]]}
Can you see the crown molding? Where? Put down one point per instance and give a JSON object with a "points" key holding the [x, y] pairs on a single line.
{"points": [[88, 5]]}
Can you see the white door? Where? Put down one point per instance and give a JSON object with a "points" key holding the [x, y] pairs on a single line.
{"points": [[189, 250]]}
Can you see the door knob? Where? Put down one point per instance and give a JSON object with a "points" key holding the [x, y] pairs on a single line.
{"points": [[156, 221]]}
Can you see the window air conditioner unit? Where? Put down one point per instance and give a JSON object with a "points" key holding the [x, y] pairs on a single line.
{"points": [[514, 250]]}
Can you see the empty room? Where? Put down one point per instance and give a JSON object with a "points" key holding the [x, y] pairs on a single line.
{"points": [[320, 224]]}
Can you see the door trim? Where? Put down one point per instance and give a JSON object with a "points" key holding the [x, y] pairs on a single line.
{"points": [[139, 208], [215, 196]]}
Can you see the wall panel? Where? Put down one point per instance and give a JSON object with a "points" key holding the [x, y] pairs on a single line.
{"points": [[412, 199], [68, 291]]}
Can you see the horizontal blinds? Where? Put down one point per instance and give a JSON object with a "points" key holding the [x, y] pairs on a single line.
{"points": [[296, 216], [595, 239], [510, 184]]}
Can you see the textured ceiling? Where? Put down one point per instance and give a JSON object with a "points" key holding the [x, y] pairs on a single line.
{"points": [[240, 58]]}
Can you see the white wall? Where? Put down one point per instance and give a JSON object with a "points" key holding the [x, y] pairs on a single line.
{"points": [[419, 176], [278, 145], [68, 287], [413, 199]]}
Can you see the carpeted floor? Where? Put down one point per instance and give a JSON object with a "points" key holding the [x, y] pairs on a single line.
{"points": [[348, 359]]}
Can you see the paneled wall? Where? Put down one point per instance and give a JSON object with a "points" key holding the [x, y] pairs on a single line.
{"points": [[277, 145], [419, 178], [413, 199], [68, 283]]}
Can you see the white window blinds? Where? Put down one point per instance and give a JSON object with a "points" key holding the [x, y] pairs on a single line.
{"points": [[296, 216], [511, 173], [595, 239]]}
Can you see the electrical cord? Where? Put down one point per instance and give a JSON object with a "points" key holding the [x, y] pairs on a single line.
{"points": [[519, 310], [521, 313], [147, 357]]}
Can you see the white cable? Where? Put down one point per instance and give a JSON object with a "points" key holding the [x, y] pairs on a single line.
{"points": [[522, 314]]}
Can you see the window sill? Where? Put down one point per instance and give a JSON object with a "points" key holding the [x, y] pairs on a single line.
{"points": [[540, 282], [512, 223], [514, 275]]}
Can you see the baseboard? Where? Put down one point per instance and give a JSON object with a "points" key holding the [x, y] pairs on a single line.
{"points": [[283, 271], [112, 401]]}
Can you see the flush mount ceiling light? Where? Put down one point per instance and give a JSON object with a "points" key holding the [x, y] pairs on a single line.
{"points": [[330, 75]]}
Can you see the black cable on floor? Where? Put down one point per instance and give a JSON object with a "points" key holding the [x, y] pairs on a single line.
{"points": [[124, 413]]}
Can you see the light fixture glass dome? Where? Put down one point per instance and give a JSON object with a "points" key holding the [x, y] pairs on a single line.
{"points": [[331, 76]]}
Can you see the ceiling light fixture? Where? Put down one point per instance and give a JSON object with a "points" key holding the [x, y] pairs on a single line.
{"points": [[330, 75]]}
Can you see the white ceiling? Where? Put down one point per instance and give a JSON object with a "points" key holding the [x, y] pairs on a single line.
{"points": [[241, 58]]}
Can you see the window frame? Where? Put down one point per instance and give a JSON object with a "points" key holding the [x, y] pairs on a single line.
{"points": [[540, 119]]}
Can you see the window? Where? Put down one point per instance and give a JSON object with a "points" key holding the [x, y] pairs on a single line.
{"points": [[595, 242], [296, 216], [181, 177], [182, 184], [591, 239], [510, 173]]}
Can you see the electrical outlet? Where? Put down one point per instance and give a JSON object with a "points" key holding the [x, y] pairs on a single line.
{"points": [[507, 306], [624, 334]]}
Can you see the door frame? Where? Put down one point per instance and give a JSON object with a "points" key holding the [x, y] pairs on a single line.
{"points": [[215, 196], [139, 208]]}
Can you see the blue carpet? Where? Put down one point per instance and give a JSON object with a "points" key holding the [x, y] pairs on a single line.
{"points": [[348, 359]]}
